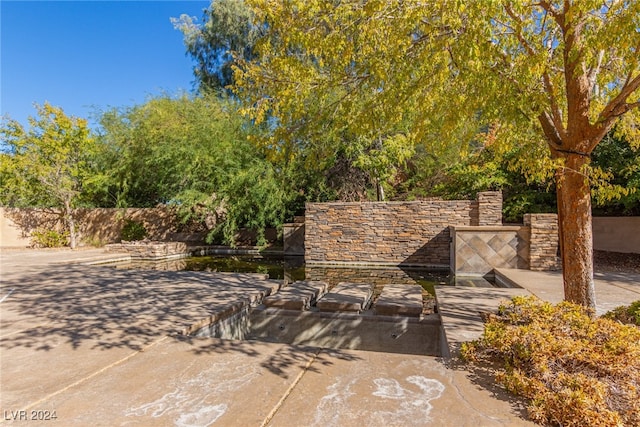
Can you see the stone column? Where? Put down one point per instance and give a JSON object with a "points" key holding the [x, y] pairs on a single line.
{"points": [[490, 208], [543, 249]]}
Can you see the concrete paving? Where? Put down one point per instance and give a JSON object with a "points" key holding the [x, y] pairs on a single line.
{"points": [[461, 308], [300, 295], [612, 289], [399, 300], [347, 297], [100, 346]]}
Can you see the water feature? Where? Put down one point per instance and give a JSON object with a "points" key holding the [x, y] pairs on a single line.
{"points": [[293, 268], [363, 331]]}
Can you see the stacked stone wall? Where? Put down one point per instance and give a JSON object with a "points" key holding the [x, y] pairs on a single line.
{"points": [[150, 250], [489, 208], [396, 233], [543, 241]]}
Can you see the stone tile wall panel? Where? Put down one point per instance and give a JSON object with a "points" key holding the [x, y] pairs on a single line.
{"points": [[478, 250]]}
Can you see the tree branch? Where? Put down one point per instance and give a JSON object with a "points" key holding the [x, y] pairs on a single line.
{"points": [[618, 105], [614, 109], [553, 137], [556, 114], [593, 72], [518, 30], [549, 8]]}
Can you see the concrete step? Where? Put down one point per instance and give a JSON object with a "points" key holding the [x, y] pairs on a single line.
{"points": [[297, 296], [351, 297], [461, 311], [399, 300]]}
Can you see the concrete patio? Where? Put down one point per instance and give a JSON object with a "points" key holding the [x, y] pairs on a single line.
{"points": [[101, 346]]}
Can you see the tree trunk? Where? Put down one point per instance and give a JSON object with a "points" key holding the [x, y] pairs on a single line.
{"points": [[379, 191], [71, 224], [576, 241]]}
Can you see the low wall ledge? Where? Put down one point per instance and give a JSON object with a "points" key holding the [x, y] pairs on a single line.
{"points": [[488, 228], [378, 265]]}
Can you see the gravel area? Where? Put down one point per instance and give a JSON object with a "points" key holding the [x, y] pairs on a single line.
{"points": [[616, 262]]}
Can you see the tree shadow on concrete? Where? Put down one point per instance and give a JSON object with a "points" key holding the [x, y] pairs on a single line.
{"points": [[631, 280], [277, 362], [483, 375], [107, 308], [103, 308], [463, 310]]}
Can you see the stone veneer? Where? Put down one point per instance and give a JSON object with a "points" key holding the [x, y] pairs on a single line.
{"points": [[489, 208], [150, 250], [543, 241], [395, 233]]}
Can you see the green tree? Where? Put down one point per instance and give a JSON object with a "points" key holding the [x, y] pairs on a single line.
{"points": [[193, 153], [226, 33], [550, 73], [227, 36], [47, 164], [619, 163], [573, 67], [615, 178]]}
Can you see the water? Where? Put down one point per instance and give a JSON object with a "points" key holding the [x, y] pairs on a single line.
{"points": [[293, 268], [278, 268]]}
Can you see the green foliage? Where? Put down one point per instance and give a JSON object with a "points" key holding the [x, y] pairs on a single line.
{"points": [[133, 230], [620, 161], [486, 166], [552, 76], [315, 110], [573, 369], [629, 315], [490, 167], [42, 238], [226, 31], [168, 146], [47, 164], [196, 154]]}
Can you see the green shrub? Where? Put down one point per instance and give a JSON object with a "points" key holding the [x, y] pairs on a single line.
{"points": [[573, 369], [133, 230], [42, 238], [95, 241], [629, 315]]}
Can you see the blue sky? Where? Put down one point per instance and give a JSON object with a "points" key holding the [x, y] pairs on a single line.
{"points": [[87, 56]]}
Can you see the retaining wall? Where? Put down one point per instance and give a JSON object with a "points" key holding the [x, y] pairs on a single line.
{"points": [[94, 226], [293, 237], [617, 234], [395, 233]]}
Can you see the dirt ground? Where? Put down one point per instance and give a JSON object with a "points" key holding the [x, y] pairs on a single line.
{"points": [[616, 262]]}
